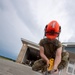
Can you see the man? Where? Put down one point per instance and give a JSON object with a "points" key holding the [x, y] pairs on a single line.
{"points": [[50, 47]]}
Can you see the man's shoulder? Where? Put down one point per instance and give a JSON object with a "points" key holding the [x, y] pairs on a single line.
{"points": [[42, 41]]}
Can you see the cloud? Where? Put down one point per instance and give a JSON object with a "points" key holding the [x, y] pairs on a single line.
{"points": [[69, 8], [37, 14], [12, 28], [27, 19]]}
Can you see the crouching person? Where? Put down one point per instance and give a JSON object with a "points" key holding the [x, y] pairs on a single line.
{"points": [[51, 47]]}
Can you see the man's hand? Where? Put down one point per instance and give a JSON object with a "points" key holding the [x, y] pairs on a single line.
{"points": [[47, 63], [54, 71]]}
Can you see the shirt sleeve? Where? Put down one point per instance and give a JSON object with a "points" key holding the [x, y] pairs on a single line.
{"points": [[41, 42], [59, 44]]}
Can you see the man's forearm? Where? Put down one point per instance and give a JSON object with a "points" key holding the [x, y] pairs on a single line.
{"points": [[44, 57], [57, 61], [58, 57]]}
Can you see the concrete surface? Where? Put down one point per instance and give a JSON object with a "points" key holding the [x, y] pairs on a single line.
{"points": [[12, 68]]}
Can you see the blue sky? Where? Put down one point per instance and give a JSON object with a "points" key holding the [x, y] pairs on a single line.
{"points": [[27, 19]]}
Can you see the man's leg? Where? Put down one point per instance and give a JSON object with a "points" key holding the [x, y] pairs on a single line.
{"points": [[64, 61], [38, 65], [62, 65]]}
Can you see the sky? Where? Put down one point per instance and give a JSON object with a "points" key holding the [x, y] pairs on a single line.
{"points": [[28, 18]]}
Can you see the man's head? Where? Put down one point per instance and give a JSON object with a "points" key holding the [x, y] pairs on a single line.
{"points": [[52, 30]]}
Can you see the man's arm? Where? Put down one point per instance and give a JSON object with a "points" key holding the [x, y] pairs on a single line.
{"points": [[43, 56], [58, 57]]}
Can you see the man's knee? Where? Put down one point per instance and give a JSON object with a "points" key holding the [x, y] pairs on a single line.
{"points": [[38, 65], [65, 56], [62, 65], [34, 68]]}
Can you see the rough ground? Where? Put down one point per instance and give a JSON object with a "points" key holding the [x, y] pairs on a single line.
{"points": [[12, 68]]}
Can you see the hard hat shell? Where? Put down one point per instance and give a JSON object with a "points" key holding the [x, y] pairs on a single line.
{"points": [[52, 26]]}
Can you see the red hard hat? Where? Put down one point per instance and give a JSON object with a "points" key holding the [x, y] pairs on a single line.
{"points": [[52, 30]]}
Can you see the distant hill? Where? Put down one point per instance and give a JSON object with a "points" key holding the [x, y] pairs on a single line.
{"points": [[7, 58]]}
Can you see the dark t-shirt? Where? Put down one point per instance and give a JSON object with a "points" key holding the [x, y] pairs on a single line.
{"points": [[50, 46]]}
